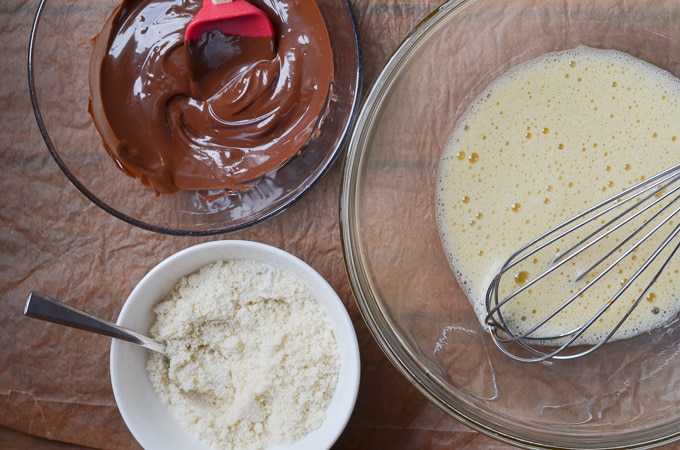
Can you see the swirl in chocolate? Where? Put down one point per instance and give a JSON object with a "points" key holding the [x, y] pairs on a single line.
{"points": [[218, 113]]}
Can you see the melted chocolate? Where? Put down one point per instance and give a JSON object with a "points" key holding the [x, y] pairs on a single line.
{"points": [[218, 113]]}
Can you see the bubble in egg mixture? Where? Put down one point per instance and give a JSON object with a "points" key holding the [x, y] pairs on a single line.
{"points": [[548, 139]]}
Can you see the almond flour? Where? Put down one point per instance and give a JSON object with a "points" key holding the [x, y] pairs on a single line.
{"points": [[253, 359]]}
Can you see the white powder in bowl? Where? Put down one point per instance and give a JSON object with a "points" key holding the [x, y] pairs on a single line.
{"points": [[253, 359]]}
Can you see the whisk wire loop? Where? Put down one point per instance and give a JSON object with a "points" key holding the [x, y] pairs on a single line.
{"points": [[648, 207]]}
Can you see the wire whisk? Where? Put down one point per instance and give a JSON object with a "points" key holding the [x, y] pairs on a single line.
{"points": [[599, 266]]}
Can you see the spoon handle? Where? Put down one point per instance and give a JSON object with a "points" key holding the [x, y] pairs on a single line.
{"points": [[42, 307]]}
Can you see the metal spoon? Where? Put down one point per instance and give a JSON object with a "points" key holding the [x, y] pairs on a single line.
{"points": [[42, 307]]}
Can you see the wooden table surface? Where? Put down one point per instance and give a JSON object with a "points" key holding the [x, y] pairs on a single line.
{"points": [[54, 382]]}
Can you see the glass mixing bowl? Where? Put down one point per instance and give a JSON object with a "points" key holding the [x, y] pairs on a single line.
{"points": [[59, 56], [626, 394]]}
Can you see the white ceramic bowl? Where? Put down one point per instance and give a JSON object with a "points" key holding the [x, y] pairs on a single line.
{"points": [[149, 420]]}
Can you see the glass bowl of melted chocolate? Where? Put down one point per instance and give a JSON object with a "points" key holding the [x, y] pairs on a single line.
{"points": [[193, 137]]}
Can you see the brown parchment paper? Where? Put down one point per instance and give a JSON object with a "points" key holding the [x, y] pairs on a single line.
{"points": [[54, 381]]}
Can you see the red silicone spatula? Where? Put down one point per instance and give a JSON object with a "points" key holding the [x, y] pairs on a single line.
{"points": [[232, 17]]}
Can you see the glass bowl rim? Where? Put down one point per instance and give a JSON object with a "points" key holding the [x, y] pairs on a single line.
{"points": [[379, 324], [213, 230]]}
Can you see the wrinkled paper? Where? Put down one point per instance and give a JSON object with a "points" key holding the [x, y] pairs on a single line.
{"points": [[54, 381]]}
